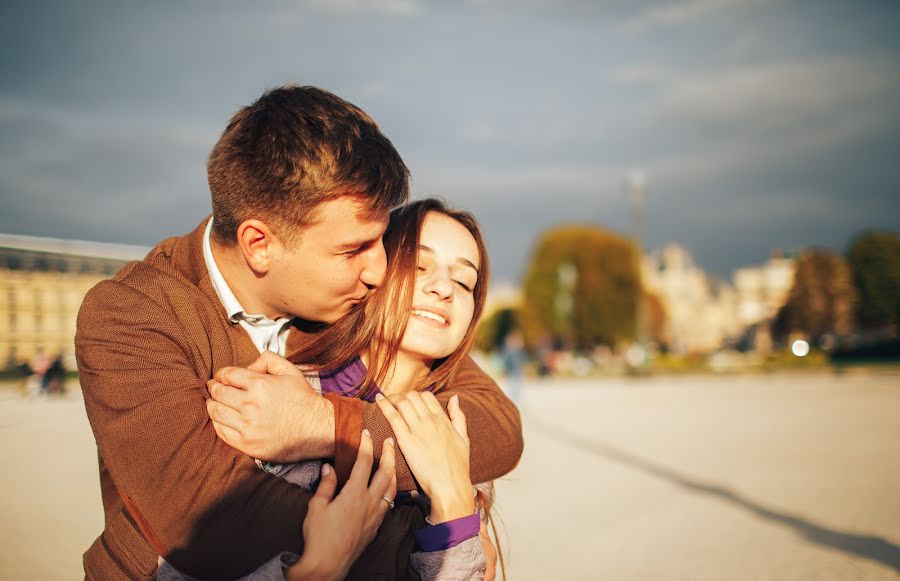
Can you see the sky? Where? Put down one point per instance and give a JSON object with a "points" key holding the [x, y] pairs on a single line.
{"points": [[759, 125]]}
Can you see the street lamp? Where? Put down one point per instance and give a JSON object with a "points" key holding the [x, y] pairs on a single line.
{"points": [[635, 192], [564, 302]]}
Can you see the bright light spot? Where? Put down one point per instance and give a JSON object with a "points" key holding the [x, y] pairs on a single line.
{"points": [[636, 356], [800, 348]]}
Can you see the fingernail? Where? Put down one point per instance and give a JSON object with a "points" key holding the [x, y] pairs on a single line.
{"points": [[326, 470], [390, 441], [378, 397], [366, 433]]}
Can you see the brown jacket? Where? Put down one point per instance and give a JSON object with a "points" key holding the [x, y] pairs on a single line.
{"points": [[147, 342]]}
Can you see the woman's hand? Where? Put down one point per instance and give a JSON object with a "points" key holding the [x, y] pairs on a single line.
{"points": [[336, 530], [436, 448]]}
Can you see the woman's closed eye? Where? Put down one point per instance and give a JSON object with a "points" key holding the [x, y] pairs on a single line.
{"points": [[464, 285]]}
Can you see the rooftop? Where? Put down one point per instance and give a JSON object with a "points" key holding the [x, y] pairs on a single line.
{"points": [[73, 247]]}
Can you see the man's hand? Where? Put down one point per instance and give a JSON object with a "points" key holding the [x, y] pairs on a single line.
{"points": [[336, 531], [269, 411]]}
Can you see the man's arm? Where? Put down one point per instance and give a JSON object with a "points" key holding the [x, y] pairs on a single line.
{"points": [[203, 505], [253, 413]]}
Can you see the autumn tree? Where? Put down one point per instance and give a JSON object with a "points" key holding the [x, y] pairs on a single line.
{"points": [[822, 299], [494, 328], [581, 288], [874, 259]]}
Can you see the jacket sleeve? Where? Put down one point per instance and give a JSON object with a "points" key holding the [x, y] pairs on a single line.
{"points": [[495, 428], [205, 507], [463, 562]]}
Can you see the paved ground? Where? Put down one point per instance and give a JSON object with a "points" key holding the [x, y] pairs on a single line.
{"points": [[705, 478], [773, 477]]}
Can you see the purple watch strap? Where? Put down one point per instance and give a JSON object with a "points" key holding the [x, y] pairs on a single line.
{"points": [[449, 534]]}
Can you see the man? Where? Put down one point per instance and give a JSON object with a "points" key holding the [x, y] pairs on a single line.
{"points": [[301, 184]]}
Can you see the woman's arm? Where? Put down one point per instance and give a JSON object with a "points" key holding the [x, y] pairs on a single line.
{"points": [[436, 446]]}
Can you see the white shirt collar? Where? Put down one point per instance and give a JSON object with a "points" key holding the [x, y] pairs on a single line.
{"points": [[229, 301]]}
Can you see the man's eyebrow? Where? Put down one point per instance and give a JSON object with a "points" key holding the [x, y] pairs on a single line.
{"points": [[461, 260], [357, 243]]}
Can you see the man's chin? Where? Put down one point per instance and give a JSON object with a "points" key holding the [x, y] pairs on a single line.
{"points": [[319, 318], [334, 317], [328, 319], [331, 316]]}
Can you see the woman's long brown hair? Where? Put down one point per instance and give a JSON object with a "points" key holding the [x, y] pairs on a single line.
{"points": [[377, 325]]}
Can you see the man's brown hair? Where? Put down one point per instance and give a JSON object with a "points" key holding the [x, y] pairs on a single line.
{"points": [[293, 149]]}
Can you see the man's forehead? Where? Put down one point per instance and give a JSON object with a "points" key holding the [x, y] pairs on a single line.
{"points": [[369, 223], [350, 207], [347, 221], [349, 210], [352, 236]]}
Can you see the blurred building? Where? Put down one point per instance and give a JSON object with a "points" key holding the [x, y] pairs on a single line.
{"points": [[762, 290], [502, 295], [701, 313], [42, 284]]}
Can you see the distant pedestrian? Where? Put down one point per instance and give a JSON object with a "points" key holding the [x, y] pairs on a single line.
{"points": [[513, 364], [35, 382], [55, 377]]}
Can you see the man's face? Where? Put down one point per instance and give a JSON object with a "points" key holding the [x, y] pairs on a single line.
{"points": [[336, 262]]}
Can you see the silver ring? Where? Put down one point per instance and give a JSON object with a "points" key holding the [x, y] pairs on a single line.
{"points": [[389, 501]]}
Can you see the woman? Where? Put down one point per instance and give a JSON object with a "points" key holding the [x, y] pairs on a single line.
{"points": [[411, 337]]}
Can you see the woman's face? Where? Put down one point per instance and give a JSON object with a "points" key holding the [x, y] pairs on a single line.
{"points": [[443, 301]]}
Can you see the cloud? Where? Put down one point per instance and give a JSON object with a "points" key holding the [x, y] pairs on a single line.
{"points": [[773, 92], [728, 119], [93, 176], [682, 12], [504, 183], [640, 74], [398, 7], [480, 132]]}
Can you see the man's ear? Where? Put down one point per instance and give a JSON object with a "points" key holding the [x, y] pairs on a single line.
{"points": [[258, 244]]}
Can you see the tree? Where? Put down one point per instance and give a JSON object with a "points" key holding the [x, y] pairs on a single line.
{"points": [[874, 259], [494, 328], [581, 288], [821, 301]]}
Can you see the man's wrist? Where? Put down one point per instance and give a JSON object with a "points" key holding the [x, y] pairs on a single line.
{"points": [[314, 434], [327, 431]]}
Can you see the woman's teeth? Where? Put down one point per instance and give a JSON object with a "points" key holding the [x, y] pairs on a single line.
{"points": [[429, 315]]}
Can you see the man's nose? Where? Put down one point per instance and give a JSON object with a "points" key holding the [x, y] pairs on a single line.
{"points": [[372, 273]]}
